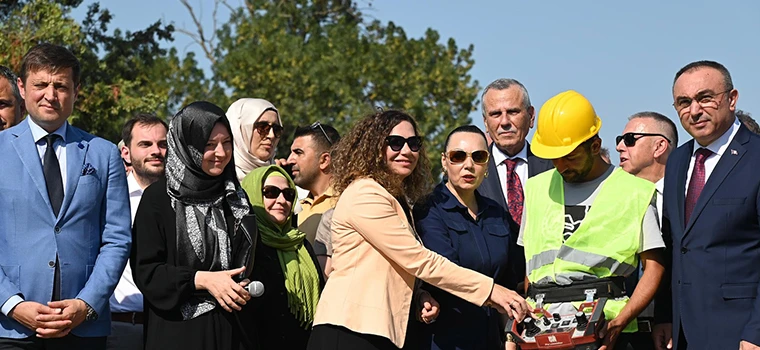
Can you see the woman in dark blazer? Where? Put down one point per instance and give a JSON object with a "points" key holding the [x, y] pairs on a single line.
{"points": [[471, 231], [285, 263]]}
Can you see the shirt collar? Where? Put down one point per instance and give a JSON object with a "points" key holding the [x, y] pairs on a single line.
{"points": [[499, 157], [659, 185], [133, 185], [38, 133], [451, 202], [310, 199], [719, 146]]}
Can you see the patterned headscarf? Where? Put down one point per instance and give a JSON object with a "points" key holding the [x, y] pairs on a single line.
{"points": [[203, 238], [242, 115]]}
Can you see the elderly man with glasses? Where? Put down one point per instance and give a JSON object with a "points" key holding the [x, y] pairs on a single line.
{"points": [[644, 147]]}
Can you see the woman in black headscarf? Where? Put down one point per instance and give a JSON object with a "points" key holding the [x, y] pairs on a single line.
{"points": [[185, 236]]}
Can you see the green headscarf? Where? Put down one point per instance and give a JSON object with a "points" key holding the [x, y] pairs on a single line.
{"points": [[301, 276]]}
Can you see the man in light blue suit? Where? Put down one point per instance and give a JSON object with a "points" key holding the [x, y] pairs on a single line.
{"points": [[65, 219]]}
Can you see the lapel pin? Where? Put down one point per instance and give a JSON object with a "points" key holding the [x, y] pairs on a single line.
{"points": [[734, 152]]}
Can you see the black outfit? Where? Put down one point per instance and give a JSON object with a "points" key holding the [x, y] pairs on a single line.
{"points": [[68, 342], [491, 188], [166, 285], [327, 336], [276, 327]]}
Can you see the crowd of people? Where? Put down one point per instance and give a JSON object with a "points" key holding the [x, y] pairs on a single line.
{"points": [[195, 235]]}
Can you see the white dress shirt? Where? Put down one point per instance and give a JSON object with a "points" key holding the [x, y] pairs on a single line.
{"points": [[126, 297], [38, 134], [658, 189], [521, 168], [718, 147]]}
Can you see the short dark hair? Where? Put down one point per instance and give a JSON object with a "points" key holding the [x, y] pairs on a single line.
{"points": [[7, 73], [746, 119], [140, 118], [667, 125], [321, 142], [465, 128], [727, 82], [50, 57]]}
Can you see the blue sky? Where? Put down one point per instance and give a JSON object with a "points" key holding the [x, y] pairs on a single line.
{"points": [[621, 55]]}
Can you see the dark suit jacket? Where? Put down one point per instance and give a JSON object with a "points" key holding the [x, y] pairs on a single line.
{"points": [[715, 256], [491, 188]]}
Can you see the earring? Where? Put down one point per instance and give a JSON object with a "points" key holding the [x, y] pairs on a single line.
{"points": [[486, 174]]}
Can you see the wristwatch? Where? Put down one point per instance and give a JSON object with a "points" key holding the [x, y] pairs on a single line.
{"points": [[91, 314]]}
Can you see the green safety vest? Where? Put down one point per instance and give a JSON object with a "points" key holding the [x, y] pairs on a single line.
{"points": [[605, 244]]}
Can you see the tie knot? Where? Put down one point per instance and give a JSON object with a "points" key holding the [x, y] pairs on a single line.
{"points": [[702, 154], [51, 138], [511, 163]]}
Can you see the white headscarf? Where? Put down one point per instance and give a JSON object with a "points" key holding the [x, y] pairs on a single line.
{"points": [[242, 115]]}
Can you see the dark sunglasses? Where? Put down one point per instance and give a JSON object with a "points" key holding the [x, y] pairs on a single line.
{"points": [[319, 125], [396, 143], [263, 129], [272, 192], [629, 139], [459, 156]]}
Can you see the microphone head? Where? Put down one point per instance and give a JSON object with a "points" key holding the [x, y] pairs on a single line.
{"points": [[255, 288]]}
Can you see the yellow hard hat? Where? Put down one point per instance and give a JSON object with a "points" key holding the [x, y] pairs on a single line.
{"points": [[564, 122]]}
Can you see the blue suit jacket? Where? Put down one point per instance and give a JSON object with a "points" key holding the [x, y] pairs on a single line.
{"points": [[491, 188], [91, 234], [716, 255]]}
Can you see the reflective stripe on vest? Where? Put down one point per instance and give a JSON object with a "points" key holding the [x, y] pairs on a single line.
{"points": [[605, 244]]}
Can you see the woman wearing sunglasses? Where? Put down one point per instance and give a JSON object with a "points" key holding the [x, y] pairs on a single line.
{"points": [[471, 231], [381, 167], [185, 242], [256, 129], [285, 263]]}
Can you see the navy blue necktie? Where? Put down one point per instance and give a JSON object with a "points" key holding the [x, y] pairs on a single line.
{"points": [[52, 170]]}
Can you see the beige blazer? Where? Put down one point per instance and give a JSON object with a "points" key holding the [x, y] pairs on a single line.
{"points": [[376, 258]]}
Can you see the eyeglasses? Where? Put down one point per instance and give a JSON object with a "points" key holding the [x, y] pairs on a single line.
{"points": [[396, 143], [459, 156], [272, 192], [319, 125], [263, 129], [629, 139], [705, 100]]}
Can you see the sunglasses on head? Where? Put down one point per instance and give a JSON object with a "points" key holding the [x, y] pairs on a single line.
{"points": [[319, 125], [272, 192], [263, 129], [629, 138], [459, 156], [396, 143]]}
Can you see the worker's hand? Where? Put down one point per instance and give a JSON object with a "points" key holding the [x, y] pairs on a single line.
{"points": [[511, 346], [610, 334], [662, 335], [745, 345]]}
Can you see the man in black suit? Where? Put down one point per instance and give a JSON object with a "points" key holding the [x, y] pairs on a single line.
{"points": [[508, 117]]}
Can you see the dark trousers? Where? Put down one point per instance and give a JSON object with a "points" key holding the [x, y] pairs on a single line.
{"points": [[635, 341], [330, 337], [66, 343]]}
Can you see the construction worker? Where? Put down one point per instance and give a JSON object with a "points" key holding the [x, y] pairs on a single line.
{"points": [[586, 224]]}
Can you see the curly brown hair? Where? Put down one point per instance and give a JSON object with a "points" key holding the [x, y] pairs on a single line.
{"points": [[361, 154]]}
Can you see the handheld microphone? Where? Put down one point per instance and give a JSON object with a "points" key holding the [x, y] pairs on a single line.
{"points": [[255, 288]]}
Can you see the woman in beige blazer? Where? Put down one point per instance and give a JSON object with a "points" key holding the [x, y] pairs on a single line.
{"points": [[380, 167]]}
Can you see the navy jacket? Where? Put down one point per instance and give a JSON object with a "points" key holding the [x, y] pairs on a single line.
{"points": [[716, 255], [483, 245], [491, 188]]}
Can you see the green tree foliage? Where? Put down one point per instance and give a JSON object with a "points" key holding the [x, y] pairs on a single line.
{"points": [[122, 73], [323, 60]]}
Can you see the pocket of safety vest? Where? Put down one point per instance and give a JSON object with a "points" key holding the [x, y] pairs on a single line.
{"points": [[739, 290]]}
